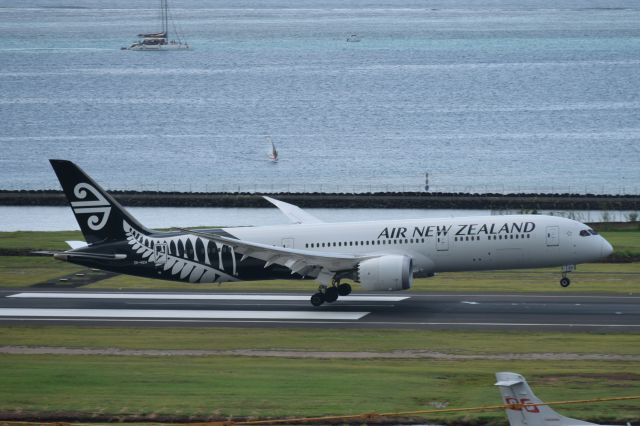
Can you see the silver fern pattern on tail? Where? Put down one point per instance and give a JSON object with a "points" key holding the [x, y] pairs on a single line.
{"points": [[192, 258]]}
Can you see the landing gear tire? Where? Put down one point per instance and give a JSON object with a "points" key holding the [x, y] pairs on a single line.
{"points": [[331, 294], [344, 289], [317, 299], [565, 282]]}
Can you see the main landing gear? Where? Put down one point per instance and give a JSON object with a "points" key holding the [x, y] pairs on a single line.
{"points": [[565, 281], [330, 294]]}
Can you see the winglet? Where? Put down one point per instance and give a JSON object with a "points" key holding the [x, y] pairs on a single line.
{"points": [[294, 213]]}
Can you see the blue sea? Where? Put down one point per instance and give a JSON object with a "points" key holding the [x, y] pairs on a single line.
{"points": [[482, 95]]}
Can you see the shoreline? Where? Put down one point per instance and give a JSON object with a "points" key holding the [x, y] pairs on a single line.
{"points": [[412, 200]]}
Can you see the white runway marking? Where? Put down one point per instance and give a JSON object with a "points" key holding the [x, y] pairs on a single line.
{"points": [[191, 296], [182, 314]]}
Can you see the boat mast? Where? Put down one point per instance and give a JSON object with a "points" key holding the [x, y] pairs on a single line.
{"points": [[165, 18]]}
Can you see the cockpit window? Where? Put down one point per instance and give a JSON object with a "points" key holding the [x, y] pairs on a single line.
{"points": [[593, 232], [584, 233]]}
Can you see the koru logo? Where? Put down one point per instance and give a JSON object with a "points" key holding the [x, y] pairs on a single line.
{"points": [[100, 206]]}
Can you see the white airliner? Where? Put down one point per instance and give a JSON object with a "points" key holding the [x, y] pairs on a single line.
{"points": [[380, 255], [526, 410]]}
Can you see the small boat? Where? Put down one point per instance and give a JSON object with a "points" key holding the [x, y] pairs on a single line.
{"points": [[160, 40], [353, 38], [273, 154]]}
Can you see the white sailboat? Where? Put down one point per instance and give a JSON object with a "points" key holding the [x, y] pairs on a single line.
{"points": [[160, 40], [273, 154]]}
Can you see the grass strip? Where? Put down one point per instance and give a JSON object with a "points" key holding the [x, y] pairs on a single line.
{"points": [[619, 278], [24, 271], [321, 339], [222, 387]]}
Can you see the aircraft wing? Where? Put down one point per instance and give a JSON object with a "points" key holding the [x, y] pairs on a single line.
{"points": [[299, 261], [295, 213]]}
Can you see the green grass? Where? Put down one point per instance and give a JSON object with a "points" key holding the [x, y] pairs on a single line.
{"points": [[223, 386], [621, 278], [339, 340], [22, 271], [265, 387], [625, 243], [38, 240], [597, 278]]}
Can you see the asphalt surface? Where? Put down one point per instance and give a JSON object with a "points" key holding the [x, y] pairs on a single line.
{"points": [[363, 310]]}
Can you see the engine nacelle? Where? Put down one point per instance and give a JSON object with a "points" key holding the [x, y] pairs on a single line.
{"points": [[386, 273]]}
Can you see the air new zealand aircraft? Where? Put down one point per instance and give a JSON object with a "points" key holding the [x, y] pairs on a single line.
{"points": [[379, 255]]}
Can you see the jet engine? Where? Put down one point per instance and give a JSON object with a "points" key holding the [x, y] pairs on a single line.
{"points": [[386, 273]]}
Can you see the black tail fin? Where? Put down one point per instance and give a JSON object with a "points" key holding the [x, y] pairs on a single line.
{"points": [[100, 216]]}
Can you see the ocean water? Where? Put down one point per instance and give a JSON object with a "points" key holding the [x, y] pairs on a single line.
{"points": [[529, 95]]}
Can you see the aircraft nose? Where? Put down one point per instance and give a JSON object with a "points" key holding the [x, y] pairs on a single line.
{"points": [[607, 248]]}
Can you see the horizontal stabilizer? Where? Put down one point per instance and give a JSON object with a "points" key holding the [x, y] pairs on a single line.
{"points": [[76, 244], [79, 255]]}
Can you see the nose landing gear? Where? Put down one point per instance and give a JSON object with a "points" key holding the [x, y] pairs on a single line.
{"points": [[330, 294], [565, 281]]}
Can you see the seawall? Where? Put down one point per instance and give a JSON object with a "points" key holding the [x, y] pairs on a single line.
{"points": [[402, 200]]}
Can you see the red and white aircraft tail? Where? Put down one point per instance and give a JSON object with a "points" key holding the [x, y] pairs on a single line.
{"points": [[515, 390]]}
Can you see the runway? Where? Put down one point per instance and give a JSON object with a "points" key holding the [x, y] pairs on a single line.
{"points": [[363, 310]]}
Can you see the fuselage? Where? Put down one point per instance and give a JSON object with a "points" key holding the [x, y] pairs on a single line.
{"points": [[434, 245]]}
